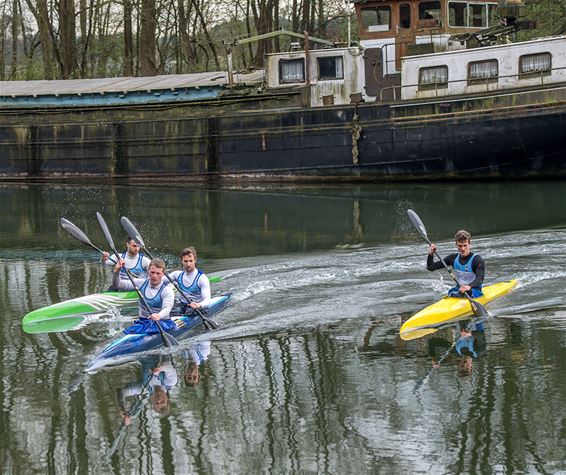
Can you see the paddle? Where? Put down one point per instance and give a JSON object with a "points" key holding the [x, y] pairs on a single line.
{"points": [[168, 340], [135, 409], [79, 235], [420, 383], [134, 233], [477, 308]]}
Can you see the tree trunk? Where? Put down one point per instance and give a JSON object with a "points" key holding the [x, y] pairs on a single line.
{"points": [[200, 16], [41, 14], [147, 38], [66, 9], [14, 65], [128, 40], [2, 41]]}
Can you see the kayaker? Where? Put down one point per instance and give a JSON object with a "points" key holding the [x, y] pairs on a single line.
{"points": [[135, 261], [158, 294], [193, 282], [468, 266]]}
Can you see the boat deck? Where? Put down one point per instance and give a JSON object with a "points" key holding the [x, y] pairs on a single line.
{"points": [[121, 90]]}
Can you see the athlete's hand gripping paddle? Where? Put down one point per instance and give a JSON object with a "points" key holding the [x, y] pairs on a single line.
{"points": [[134, 233], [477, 308], [168, 340]]}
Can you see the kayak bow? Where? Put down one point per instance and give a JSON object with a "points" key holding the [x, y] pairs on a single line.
{"points": [[450, 309], [100, 302]]}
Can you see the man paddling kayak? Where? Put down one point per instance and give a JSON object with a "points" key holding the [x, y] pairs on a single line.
{"points": [[135, 261], [468, 266], [193, 282], [158, 294]]}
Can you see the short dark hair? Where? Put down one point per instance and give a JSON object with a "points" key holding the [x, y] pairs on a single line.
{"points": [[462, 235], [189, 250]]}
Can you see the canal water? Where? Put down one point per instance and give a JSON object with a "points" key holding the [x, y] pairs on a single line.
{"points": [[307, 373]]}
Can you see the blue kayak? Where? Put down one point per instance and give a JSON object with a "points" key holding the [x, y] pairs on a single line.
{"points": [[119, 350]]}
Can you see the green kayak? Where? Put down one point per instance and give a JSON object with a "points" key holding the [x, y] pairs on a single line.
{"points": [[100, 302], [68, 314]]}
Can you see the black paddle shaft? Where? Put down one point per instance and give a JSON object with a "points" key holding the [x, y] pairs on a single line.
{"points": [[168, 340], [477, 308], [136, 236]]}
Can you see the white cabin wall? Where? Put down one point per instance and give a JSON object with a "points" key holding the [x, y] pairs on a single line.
{"points": [[341, 89], [508, 59]]}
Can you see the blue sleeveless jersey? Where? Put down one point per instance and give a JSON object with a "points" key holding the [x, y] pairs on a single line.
{"points": [[464, 272], [192, 291], [138, 270], [465, 276], [156, 303]]}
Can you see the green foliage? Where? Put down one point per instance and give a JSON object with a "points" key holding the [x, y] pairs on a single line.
{"points": [[549, 16]]}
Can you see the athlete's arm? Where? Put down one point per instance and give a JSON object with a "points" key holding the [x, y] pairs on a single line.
{"points": [[432, 266], [145, 262], [204, 285], [123, 284], [168, 297], [478, 267]]}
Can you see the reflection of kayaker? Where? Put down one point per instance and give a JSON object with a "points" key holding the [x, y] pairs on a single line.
{"points": [[196, 355], [159, 376], [468, 343], [468, 266]]}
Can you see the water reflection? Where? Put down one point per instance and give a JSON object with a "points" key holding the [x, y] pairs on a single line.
{"points": [[234, 223], [307, 373]]}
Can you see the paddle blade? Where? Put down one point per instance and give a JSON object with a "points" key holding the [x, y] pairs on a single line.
{"points": [[75, 232], [478, 309], [132, 231], [168, 340], [417, 223], [106, 232]]}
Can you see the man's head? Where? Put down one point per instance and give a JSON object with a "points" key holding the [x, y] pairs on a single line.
{"points": [[161, 402], [189, 258], [465, 366], [132, 246], [192, 374], [156, 271], [463, 242]]}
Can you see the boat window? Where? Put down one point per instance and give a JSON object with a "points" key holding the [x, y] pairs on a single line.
{"points": [[433, 77], [472, 15], [429, 10], [457, 14], [330, 68], [483, 71], [291, 70], [540, 63], [405, 16], [478, 15], [376, 18]]}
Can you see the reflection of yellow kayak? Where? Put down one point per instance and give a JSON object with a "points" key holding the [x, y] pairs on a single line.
{"points": [[450, 309]]}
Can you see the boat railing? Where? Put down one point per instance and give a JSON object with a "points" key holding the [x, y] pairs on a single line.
{"points": [[491, 84]]}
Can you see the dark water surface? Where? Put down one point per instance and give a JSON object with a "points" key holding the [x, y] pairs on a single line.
{"points": [[307, 373]]}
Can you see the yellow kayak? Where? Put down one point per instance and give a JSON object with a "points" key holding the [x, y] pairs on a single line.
{"points": [[450, 309]]}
